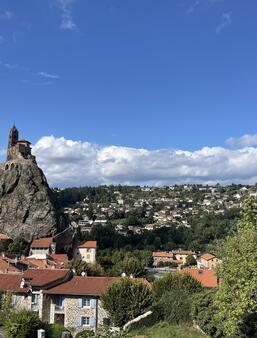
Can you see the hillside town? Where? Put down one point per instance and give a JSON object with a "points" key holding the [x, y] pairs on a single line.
{"points": [[147, 208]]}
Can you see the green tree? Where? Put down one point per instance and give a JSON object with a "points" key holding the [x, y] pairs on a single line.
{"points": [[80, 266], [173, 297], [22, 324], [19, 246], [237, 298], [204, 312], [127, 299], [190, 261], [132, 266], [176, 281]]}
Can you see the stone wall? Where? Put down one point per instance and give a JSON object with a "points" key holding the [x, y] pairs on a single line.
{"points": [[72, 312]]}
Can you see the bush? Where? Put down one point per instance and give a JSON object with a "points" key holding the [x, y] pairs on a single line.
{"points": [[178, 281], [174, 306], [204, 313], [126, 300], [54, 330], [5, 307], [173, 297], [85, 334], [22, 324]]}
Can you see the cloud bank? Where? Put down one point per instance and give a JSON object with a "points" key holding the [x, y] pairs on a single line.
{"points": [[76, 163], [243, 141]]}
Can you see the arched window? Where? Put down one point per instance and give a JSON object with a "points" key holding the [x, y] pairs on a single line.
{"points": [[12, 165], [7, 167]]}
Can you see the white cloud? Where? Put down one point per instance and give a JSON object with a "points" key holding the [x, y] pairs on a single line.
{"points": [[5, 14], [48, 76], [198, 3], [67, 22], [226, 21], [74, 163], [243, 141]]}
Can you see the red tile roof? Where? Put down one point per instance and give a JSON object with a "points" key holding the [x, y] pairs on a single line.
{"points": [[60, 258], [206, 277], [6, 267], [10, 282], [163, 254], [44, 277], [93, 286], [208, 256], [86, 244], [78, 285], [42, 242]]}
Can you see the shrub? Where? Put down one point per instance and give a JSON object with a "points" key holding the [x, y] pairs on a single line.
{"points": [[126, 300], [22, 324], [176, 281], [5, 307], [54, 330], [85, 334], [174, 306], [173, 296]]}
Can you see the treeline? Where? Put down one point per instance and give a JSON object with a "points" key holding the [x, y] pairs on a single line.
{"points": [[102, 194]]}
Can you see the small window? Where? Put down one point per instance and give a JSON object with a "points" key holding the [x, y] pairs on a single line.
{"points": [[86, 302], [34, 298], [88, 256], [85, 321]]}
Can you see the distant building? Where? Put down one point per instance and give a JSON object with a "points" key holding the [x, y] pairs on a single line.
{"points": [[206, 277], [86, 251], [208, 261], [18, 149], [176, 256], [42, 246], [183, 254]]}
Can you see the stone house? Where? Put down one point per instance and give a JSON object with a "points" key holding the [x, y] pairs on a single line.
{"points": [[76, 303], [27, 288], [208, 261], [59, 297], [86, 251]]}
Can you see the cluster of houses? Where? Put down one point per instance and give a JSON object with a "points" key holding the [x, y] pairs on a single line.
{"points": [[203, 271], [167, 206], [41, 282]]}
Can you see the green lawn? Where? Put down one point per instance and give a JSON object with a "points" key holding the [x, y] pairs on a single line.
{"points": [[164, 330]]}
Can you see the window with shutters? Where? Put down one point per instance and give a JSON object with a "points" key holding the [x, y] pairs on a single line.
{"points": [[86, 302], [85, 321]]}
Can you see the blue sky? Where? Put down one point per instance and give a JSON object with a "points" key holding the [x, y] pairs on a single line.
{"points": [[167, 74]]}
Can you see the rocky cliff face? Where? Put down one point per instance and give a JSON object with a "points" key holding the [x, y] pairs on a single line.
{"points": [[27, 205]]}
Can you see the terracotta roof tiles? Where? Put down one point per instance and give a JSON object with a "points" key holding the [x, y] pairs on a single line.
{"points": [[42, 242]]}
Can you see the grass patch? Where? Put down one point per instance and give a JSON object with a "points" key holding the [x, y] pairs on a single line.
{"points": [[165, 330]]}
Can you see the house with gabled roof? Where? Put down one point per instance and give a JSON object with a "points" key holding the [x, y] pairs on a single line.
{"points": [[86, 251], [208, 261]]}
